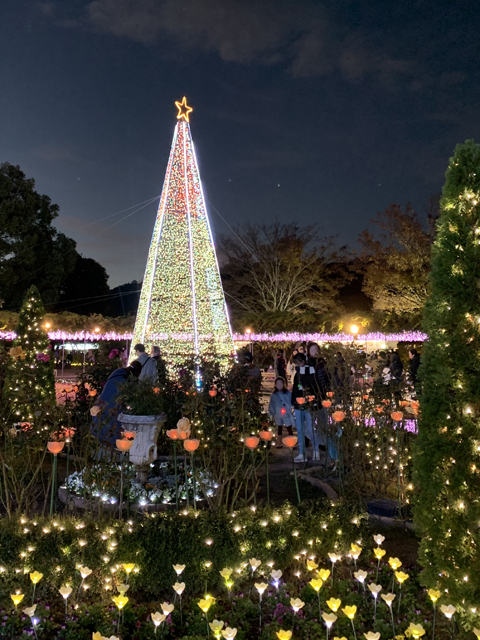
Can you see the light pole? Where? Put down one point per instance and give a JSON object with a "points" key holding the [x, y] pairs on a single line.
{"points": [[249, 332]]}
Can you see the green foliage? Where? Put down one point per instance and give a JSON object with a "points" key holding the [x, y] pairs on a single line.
{"points": [[447, 452], [30, 381], [397, 265], [31, 249], [140, 398]]}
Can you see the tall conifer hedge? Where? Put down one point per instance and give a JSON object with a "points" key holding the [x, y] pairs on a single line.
{"points": [[447, 452]]}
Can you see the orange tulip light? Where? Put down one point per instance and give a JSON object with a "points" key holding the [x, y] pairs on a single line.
{"points": [[310, 398], [290, 441], [397, 416], [129, 435], [55, 447], [379, 409], [92, 393], [212, 393], [266, 435], [356, 414], [183, 435], [301, 400], [330, 394], [327, 404], [172, 434], [338, 416], [366, 396], [124, 445], [191, 445], [252, 442]]}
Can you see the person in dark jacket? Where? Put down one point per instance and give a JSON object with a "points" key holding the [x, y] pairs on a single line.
{"points": [[396, 367], [280, 365], [105, 424], [303, 387], [414, 364]]}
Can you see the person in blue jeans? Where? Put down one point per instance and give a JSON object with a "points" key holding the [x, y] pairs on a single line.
{"points": [[303, 386], [280, 408]]}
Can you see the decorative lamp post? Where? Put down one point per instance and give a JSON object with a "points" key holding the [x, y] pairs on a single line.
{"points": [[173, 435], [290, 442], [191, 445], [54, 448]]}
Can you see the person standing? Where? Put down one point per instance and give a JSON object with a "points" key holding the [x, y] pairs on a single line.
{"points": [[303, 386], [322, 384], [280, 409], [149, 366], [414, 364], [280, 365]]}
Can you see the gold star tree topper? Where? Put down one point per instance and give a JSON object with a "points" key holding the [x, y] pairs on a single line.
{"points": [[183, 110]]}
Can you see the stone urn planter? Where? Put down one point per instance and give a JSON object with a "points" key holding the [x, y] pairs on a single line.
{"points": [[144, 448]]}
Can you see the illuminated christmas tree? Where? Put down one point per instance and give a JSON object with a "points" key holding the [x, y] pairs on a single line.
{"points": [[182, 306], [447, 448], [30, 382]]}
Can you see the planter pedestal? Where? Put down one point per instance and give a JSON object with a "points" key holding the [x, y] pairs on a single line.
{"points": [[144, 448]]}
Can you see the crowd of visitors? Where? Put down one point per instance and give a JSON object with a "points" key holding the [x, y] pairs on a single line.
{"points": [[305, 384]]}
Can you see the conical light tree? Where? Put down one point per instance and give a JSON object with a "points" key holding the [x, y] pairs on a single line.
{"points": [[182, 306], [447, 451], [30, 383]]}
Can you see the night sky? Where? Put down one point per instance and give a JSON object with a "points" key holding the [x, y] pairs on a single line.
{"points": [[303, 111]]}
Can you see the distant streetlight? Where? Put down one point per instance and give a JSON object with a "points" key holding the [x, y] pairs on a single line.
{"points": [[97, 329], [47, 325], [354, 329]]}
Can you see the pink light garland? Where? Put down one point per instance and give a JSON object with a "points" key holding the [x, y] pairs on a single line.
{"points": [[90, 336]]}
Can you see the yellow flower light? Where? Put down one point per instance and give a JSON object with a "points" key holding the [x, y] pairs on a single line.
{"points": [[84, 572], [216, 626], [128, 567], [355, 551], [123, 588], [374, 589], [254, 563], [329, 618], [312, 565], [260, 587], [324, 574], [205, 604], [372, 636], [334, 604], [448, 610], [360, 575], [167, 608], [284, 635], [379, 553], [476, 632], [388, 598], [120, 601], [65, 592], [296, 604], [178, 568], [434, 594], [416, 630], [35, 577], [17, 598], [395, 563], [229, 633], [349, 611], [316, 584], [401, 577], [226, 573], [334, 557], [179, 588], [158, 618]]}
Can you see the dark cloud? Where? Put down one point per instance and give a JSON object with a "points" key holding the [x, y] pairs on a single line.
{"points": [[303, 37]]}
